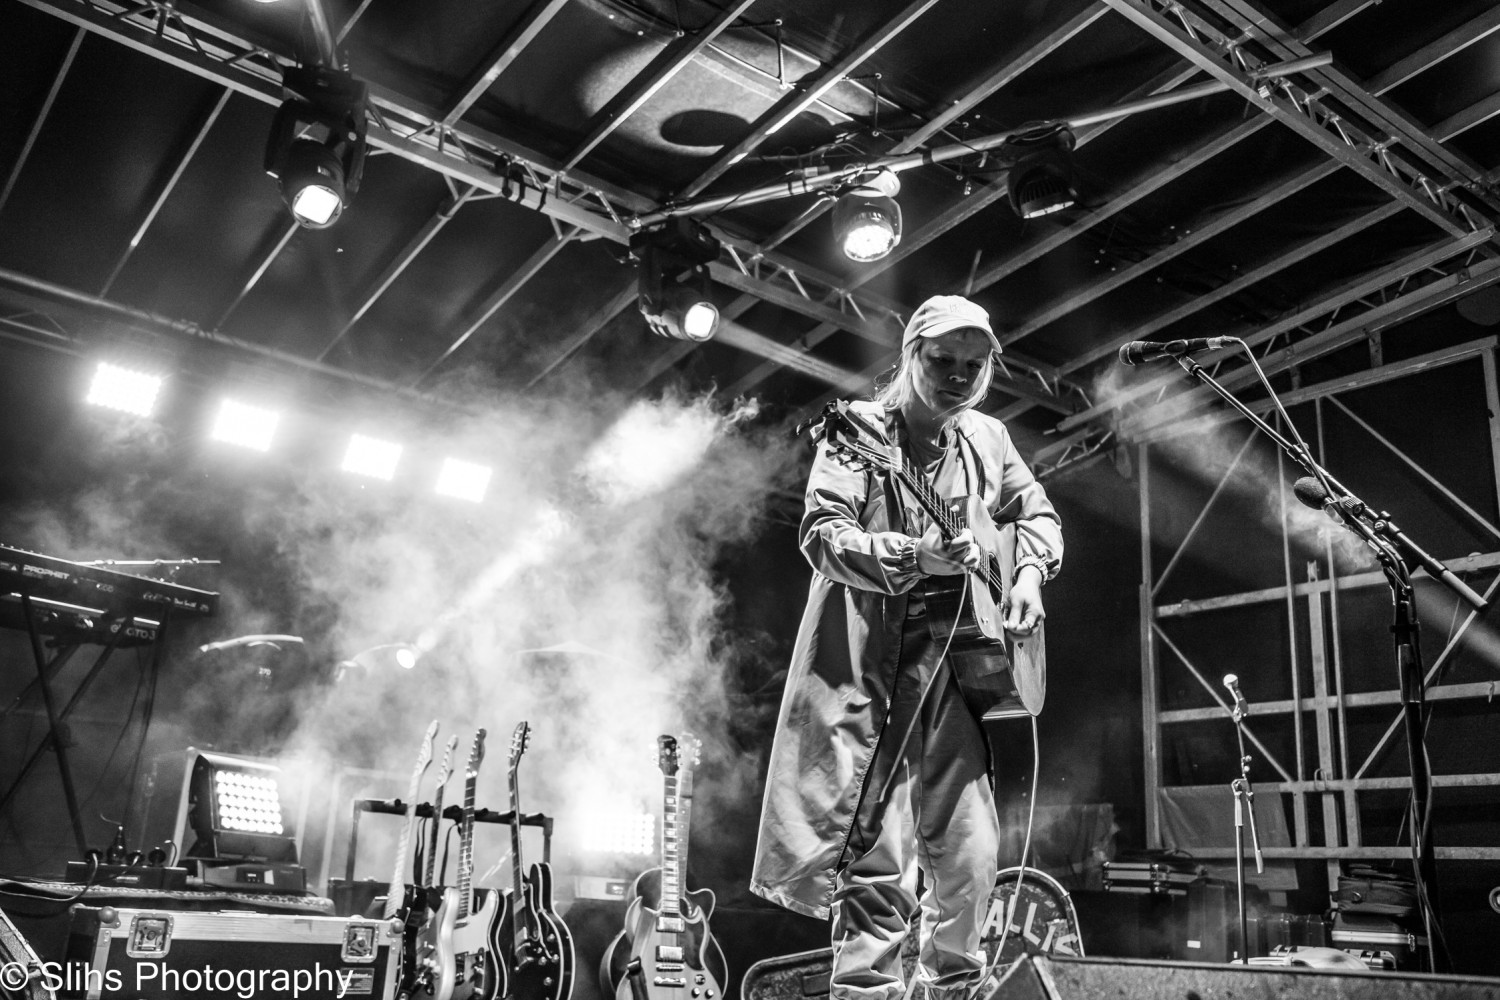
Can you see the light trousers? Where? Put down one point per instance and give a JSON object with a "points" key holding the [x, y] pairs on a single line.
{"points": [[937, 813]]}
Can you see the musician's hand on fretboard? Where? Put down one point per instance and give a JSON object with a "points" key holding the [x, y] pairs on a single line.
{"points": [[939, 556]]}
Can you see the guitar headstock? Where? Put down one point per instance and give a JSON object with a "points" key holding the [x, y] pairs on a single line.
{"points": [[518, 742], [666, 754], [445, 769], [851, 440], [476, 755], [424, 756]]}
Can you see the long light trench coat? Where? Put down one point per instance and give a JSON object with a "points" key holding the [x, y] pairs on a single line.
{"points": [[843, 670]]}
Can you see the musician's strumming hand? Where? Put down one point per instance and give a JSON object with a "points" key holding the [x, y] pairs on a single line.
{"points": [[937, 556], [1026, 611]]}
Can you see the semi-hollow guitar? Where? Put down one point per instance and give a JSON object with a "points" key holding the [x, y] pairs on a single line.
{"points": [[666, 950], [1001, 674], [540, 945]]}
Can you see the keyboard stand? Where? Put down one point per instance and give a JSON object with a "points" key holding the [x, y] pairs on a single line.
{"points": [[57, 737]]}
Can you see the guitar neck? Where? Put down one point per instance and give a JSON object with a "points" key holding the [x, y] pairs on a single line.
{"points": [[673, 846], [521, 911], [432, 841], [937, 508], [466, 849], [396, 894]]}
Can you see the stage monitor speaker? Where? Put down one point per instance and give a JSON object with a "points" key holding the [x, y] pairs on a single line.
{"points": [[1043, 978]]}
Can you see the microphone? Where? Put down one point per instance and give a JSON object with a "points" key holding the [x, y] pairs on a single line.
{"points": [[1241, 709], [1312, 494], [1137, 351]]}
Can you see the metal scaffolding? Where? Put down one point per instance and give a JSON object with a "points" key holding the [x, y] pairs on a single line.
{"points": [[1321, 773]]}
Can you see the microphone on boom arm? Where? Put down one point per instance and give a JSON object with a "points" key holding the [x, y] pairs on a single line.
{"points": [[1137, 351]]}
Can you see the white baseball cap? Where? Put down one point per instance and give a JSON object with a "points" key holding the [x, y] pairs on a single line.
{"points": [[945, 313]]}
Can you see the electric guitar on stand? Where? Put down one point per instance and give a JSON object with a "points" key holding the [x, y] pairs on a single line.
{"points": [[445, 771], [395, 896], [1000, 673], [542, 960], [666, 949], [458, 950]]}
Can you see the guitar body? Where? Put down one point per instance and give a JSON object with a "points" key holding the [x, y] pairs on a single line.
{"points": [[479, 968], [436, 962], [671, 960], [542, 967], [1001, 674]]}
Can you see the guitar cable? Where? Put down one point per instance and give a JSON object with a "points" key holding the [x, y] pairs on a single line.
{"points": [[1036, 773]]}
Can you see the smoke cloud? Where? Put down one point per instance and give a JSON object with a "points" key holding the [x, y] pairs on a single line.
{"points": [[580, 596]]}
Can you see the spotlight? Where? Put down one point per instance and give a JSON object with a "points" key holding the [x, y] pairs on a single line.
{"points": [[244, 425], [123, 389], [463, 480], [372, 457], [1041, 179], [316, 150], [236, 808], [673, 283], [867, 220]]}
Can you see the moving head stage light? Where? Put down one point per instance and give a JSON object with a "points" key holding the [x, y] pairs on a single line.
{"points": [[316, 150]]}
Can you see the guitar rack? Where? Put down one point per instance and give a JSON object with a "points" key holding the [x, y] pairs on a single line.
{"points": [[395, 807]]}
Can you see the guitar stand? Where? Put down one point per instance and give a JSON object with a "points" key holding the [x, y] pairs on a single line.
{"points": [[395, 807]]}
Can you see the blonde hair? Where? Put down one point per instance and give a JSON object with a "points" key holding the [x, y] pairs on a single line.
{"points": [[898, 387]]}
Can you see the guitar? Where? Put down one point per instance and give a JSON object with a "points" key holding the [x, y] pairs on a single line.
{"points": [[542, 956], [445, 771], [1001, 674], [395, 896], [666, 930], [458, 949]]}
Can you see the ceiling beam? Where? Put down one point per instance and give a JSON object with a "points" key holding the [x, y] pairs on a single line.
{"points": [[508, 287], [1154, 419], [1195, 234], [1332, 16], [259, 272], [500, 58], [598, 320], [1304, 116], [168, 187], [1471, 117], [960, 103], [1406, 138], [1384, 279], [208, 46], [1046, 240], [987, 194], [1435, 52], [399, 263], [671, 61], [1284, 259], [783, 111], [42, 114]]}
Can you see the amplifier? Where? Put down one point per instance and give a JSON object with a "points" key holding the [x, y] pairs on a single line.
{"points": [[249, 876], [116, 953], [131, 876]]}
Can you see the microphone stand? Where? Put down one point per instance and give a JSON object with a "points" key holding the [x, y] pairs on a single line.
{"points": [[1378, 531], [1244, 805]]}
